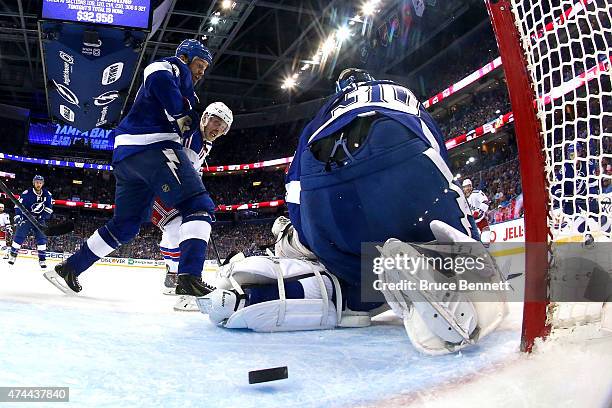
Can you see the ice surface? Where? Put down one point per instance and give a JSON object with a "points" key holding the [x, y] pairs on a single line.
{"points": [[120, 344]]}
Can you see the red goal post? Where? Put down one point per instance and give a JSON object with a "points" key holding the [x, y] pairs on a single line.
{"points": [[536, 60]]}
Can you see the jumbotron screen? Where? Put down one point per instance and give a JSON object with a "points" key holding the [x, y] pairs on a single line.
{"points": [[48, 133], [125, 13]]}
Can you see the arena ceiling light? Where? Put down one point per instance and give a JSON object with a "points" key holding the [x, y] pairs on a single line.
{"points": [[227, 4], [369, 7], [288, 83], [214, 20], [329, 45], [343, 33]]}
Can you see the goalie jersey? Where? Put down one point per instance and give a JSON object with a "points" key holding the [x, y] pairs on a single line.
{"points": [[165, 95], [383, 98]]}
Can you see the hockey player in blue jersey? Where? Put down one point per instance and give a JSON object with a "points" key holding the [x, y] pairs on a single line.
{"points": [[370, 167], [39, 201], [149, 161], [578, 192]]}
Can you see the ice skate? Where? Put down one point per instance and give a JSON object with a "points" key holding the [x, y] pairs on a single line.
{"points": [[188, 288], [64, 278], [170, 283]]}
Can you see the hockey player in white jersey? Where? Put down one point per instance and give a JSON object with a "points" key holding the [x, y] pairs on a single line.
{"points": [[5, 230], [379, 148], [215, 122], [479, 205]]}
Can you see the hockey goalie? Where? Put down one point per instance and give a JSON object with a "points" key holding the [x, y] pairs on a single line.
{"points": [[370, 167]]}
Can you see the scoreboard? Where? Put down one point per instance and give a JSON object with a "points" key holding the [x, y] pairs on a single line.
{"points": [[123, 13]]}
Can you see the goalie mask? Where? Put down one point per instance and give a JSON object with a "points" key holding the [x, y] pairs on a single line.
{"points": [[351, 76]]}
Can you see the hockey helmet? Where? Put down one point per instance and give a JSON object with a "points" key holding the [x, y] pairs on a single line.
{"points": [[220, 110], [193, 48]]}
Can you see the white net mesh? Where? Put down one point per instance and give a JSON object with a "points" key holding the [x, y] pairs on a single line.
{"points": [[567, 46]]}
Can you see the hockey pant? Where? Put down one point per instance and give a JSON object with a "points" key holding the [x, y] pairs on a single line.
{"points": [[22, 232], [164, 173]]}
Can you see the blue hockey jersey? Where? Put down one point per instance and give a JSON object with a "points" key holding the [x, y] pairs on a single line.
{"points": [[39, 205], [165, 95], [579, 179], [383, 97]]}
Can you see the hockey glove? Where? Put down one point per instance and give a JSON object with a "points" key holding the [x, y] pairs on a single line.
{"points": [[19, 221], [185, 121]]}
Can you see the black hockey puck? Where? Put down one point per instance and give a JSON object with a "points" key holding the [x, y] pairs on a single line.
{"points": [[268, 374]]}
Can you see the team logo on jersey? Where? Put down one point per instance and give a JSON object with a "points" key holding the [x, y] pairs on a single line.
{"points": [[112, 73], [66, 93], [106, 98], [37, 208]]}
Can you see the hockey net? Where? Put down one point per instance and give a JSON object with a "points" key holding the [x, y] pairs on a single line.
{"points": [[557, 54]]}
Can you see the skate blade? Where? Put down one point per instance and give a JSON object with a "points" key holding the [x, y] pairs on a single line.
{"points": [[186, 303], [169, 291], [58, 282]]}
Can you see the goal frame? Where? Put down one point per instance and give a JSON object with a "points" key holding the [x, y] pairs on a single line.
{"points": [[533, 175]]}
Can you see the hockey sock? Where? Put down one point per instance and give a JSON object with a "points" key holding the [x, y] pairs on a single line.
{"points": [[193, 255], [194, 234], [171, 258], [99, 245], [42, 252], [14, 248]]}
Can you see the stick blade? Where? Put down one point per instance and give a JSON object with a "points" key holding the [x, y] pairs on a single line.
{"points": [[59, 229], [268, 374]]}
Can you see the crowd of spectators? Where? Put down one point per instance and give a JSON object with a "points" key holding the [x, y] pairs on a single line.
{"points": [[502, 186], [248, 187], [480, 109], [244, 236], [439, 75], [63, 183]]}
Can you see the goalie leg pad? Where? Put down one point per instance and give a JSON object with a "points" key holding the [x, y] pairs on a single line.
{"points": [[460, 320], [227, 305], [450, 315]]}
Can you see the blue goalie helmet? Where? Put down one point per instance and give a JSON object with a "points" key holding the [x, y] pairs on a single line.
{"points": [[194, 48], [352, 76], [38, 178]]}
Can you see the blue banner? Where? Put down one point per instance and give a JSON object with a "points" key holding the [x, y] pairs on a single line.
{"points": [[66, 136], [89, 70]]}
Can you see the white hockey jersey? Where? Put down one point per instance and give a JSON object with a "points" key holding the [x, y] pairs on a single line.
{"points": [[5, 220], [479, 204], [197, 149]]}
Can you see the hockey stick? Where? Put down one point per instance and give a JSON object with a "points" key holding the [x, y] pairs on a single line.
{"points": [[212, 241], [50, 231]]}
